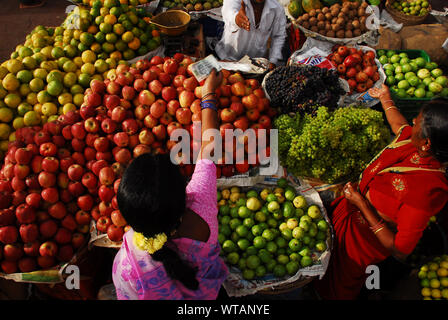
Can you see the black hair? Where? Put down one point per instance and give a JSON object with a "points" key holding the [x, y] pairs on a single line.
{"points": [[434, 126], [151, 197]]}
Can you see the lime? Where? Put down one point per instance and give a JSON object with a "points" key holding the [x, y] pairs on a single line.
{"points": [[233, 258], [252, 262], [241, 231], [229, 246], [321, 246], [264, 255], [225, 230], [294, 245], [442, 80], [434, 283], [260, 216], [281, 242], [435, 87], [243, 244], [292, 267], [279, 270], [271, 197], [271, 247], [395, 58], [257, 230], [248, 223], [259, 242], [273, 206], [234, 212], [287, 234], [260, 271], [248, 274], [306, 261], [420, 93], [54, 88], [244, 212], [224, 210], [300, 202], [268, 234]]}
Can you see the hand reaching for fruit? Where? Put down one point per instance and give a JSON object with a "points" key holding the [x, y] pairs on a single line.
{"points": [[241, 18], [380, 93]]}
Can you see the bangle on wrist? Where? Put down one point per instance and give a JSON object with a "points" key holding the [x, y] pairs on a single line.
{"points": [[378, 230], [380, 223], [391, 107], [208, 94], [208, 105]]}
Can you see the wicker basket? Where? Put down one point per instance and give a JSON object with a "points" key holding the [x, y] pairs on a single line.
{"points": [[400, 17]]}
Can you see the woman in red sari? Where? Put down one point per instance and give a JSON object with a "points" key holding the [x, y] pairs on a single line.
{"points": [[399, 191]]}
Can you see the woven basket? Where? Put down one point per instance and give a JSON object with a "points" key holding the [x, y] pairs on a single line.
{"points": [[284, 288], [406, 20]]}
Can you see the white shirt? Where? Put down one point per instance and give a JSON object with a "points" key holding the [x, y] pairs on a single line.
{"points": [[237, 42]]}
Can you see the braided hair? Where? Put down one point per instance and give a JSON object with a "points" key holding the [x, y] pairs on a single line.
{"points": [[434, 126], [151, 197]]}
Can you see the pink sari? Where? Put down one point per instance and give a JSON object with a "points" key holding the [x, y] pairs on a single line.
{"points": [[137, 276]]}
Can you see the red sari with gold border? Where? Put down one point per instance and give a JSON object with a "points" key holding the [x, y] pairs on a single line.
{"points": [[403, 186]]}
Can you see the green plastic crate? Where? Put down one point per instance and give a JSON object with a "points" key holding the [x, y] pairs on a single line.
{"points": [[410, 107]]}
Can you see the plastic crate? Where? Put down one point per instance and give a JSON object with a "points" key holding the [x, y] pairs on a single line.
{"points": [[410, 107]]}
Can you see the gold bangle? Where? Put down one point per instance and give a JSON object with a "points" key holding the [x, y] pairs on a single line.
{"points": [[378, 230], [391, 107]]}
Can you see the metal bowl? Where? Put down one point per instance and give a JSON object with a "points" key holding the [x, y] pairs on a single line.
{"points": [[172, 22]]}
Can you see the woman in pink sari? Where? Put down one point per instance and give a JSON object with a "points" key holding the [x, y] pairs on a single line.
{"points": [[172, 250]]}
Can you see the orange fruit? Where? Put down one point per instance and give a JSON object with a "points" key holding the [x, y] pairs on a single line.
{"points": [[127, 37], [155, 33], [110, 19], [134, 44], [96, 47], [116, 55], [118, 29], [92, 29]]}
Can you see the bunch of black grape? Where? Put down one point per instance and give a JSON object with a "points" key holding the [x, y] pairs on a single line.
{"points": [[301, 88]]}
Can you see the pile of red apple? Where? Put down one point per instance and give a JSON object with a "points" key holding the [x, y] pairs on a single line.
{"points": [[44, 201], [137, 112], [356, 66]]}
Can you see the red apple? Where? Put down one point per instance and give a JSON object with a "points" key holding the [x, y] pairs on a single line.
{"points": [[115, 233], [50, 195], [13, 252], [183, 115], [155, 86], [25, 214], [103, 223], [150, 121], [48, 228], [253, 114], [118, 114], [141, 149], [77, 240], [8, 234], [65, 252], [186, 98], [69, 222], [31, 248], [33, 200], [46, 262], [48, 249], [106, 176], [130, 126], [29, 232], [118, 219], [75, 172], [48, 149], [42, 137], [82, 218]]}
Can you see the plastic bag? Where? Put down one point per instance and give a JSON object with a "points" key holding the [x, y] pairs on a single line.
{"points": [[311, 46]]}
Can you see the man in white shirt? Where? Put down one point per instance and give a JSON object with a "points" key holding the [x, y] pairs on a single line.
{"points": [[248, 26]]}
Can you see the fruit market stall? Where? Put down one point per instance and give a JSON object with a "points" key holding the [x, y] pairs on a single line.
{"points": [[78, 104]]}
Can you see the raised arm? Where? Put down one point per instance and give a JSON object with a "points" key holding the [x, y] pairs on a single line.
{"points": [[209, 113], [393, 115]]}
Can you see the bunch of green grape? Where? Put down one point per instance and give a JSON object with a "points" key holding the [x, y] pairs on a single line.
{"points": [[331, 146]]}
